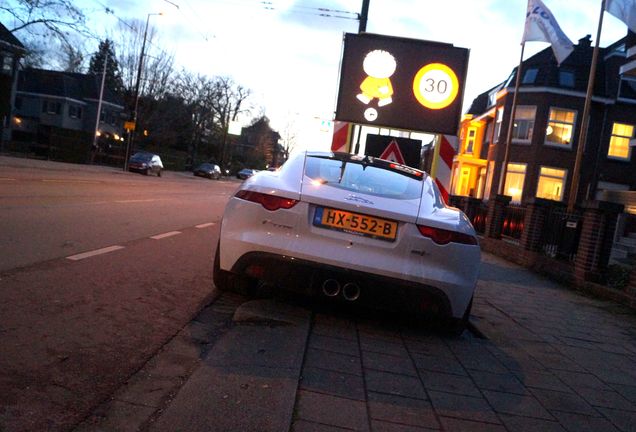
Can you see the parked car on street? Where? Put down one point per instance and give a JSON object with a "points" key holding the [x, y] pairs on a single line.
{"points": [[245, 173], [353, 229], [145, 163], [209, 170]]}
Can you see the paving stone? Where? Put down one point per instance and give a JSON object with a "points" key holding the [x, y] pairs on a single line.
{"points": [[580, 423], [460, 406], [563, 401], [333, 361], [400, 385], [334, 327], [307, 426], [545, 380], [388, 363], [578, 379], [382, 426], [337, 345], [624, 420], [508, 382], [414, 412], [334, 383], [522, 405], [449, 383], [527, 424], [606, 398], [559, 362], [628, 392], [332, 411], [459, 425], [439, 364], [429, 346], [381, 346]]}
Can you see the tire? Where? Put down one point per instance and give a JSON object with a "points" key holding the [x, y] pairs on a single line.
{"points": [[457, 326], [146, 171], [228, 281], [159, 173]]}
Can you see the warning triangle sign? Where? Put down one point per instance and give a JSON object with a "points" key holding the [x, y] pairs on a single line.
{"points": [[392, 153]]}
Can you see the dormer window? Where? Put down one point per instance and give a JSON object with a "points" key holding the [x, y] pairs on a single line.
{"points": [[566, 79], [530, 76]]}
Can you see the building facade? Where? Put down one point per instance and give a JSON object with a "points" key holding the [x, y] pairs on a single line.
{"points": [[11, 50], [546, 129]]}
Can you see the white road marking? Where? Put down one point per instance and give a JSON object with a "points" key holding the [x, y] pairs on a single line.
{"points": [[164, 235], [69, 181], [135, 200], [205, 225], [93, 253]]}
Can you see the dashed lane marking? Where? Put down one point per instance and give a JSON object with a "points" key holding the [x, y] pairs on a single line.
{"points": [[135, 200], [93, 253], [69, 181], [205, 225], [164, 235]]}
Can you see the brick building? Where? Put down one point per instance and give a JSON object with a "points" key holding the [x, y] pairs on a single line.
{"points": [[547, 126]]}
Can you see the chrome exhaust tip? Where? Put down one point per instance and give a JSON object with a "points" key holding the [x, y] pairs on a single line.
{"points": [[331, 287], [351, 291]]}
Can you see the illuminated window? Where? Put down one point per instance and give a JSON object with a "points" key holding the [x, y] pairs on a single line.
{"points": [[619, 143], [498, 124], [470, 139], [515, 176], [530, 76], [560, 127], [524, 124], [551, 183]]}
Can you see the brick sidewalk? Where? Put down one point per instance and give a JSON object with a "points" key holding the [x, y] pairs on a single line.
{"points": [[553, 361]]}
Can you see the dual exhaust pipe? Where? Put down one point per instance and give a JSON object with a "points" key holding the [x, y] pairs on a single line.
{"points": [[350, 291]]}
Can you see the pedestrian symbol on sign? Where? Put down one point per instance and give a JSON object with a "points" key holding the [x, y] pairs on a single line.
{"points": [[392, 153]]}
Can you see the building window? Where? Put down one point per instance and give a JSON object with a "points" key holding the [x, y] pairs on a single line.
{"points": [[75, 112], [515, 176], [551, 183], [470, 140], [7, 64], [18, 103], [524, 124], [530, 76], [566, 79], [51, 107], [619, 142], [560, 127], [488, 187], [498, 124]]}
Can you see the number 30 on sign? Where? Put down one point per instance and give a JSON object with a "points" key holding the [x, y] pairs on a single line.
{"points": [[435, 86]]}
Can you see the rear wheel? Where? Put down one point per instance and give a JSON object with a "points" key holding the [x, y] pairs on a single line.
{"points": [[159, 173], [228, 281], [146, 171], [457, 326]]}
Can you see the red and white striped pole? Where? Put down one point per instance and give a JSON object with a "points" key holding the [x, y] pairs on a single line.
{"points": [[341, 141], [442, 165]]}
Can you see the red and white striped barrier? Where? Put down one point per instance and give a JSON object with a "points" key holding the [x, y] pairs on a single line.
{"points": [[443, 163], [341, 137]]}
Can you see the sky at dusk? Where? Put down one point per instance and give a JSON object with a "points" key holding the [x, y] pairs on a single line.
{"points": [[289, 56]]}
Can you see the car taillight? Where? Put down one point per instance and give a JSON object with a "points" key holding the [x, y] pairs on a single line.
{"points": [[270, 202], [442, 236]]}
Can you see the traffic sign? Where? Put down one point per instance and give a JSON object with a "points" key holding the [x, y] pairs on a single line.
{"points": [[129, 126], [392, 153]]}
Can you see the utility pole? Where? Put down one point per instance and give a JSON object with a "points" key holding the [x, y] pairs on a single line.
{"points": [[99, 110], [364, 16]]}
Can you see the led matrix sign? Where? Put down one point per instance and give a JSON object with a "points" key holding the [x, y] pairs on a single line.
{"points": [[401, 83]]}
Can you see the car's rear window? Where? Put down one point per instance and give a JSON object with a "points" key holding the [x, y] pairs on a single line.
{"points": [[366, 175]]}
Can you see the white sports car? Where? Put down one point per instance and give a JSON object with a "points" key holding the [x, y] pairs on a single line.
{"points": [[354, 228]]}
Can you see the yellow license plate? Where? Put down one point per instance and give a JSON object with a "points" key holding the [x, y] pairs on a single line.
{"points": [[356, 223]]}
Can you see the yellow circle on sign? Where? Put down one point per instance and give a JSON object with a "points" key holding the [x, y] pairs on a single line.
{"points": [[435, 86]]}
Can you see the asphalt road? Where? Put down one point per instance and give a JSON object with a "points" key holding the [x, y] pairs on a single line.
{"points": [[98, 270]]}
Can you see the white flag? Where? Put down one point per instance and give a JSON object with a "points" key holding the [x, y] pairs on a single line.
{"points": [[624, 10], [541, 26]]}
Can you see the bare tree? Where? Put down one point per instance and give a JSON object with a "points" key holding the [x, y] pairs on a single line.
{"points": [[72, 57], [43, 20]]}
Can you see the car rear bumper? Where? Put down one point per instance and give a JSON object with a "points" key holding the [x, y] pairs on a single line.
{"points": [[307, 277]]}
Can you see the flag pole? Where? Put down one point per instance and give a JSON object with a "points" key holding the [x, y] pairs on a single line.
{"points": [[585, 120], [504, 167]]}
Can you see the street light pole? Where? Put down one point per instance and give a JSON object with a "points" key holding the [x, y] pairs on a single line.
{"points": [[99, 110], [131, 133]]}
